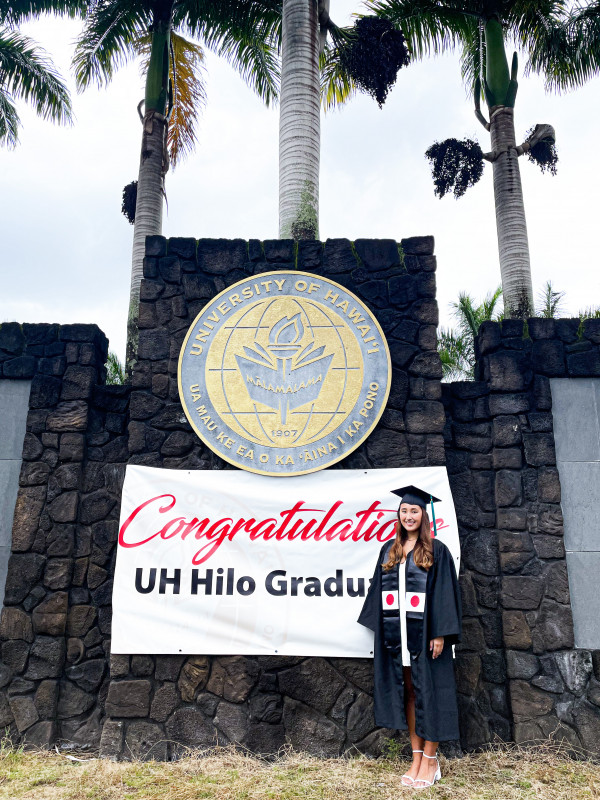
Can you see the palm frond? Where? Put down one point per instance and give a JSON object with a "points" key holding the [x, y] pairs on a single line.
{"points": [[26, 73], [456, 354], [245, 33], [568, 55], [186, 73], [488, 307], [337, 87], [430, 27], [115, 371], [457, 347], [472, 57], [9, 122], [12, 12], [470, 315], [189, 96], [108, 40], [465, 312], [550, 302], [533, 23]]}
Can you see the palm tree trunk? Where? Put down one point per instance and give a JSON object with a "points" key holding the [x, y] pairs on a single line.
{"points": [[513, 244], [148, 217], [153, 166], [299, 121]]}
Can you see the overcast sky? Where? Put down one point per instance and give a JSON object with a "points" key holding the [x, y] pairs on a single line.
{"points": [[66, 248]]}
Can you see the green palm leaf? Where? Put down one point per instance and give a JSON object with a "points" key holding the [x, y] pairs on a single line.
{"points": [[244, 32], [550, 302], [430, 27], [457, 347], [108, 40], [9, 122], [12, 12], [530, 22], [456, 355], [570, 56], [488, 307], [472, 57], [337, 87], [26, 73], [470, 315]]}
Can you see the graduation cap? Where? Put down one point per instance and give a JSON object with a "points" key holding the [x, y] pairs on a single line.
{"points": [[414, 495]]}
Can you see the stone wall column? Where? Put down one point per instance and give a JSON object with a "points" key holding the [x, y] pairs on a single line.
{"points": [[40, 600], [548, 680], [320, 705]]}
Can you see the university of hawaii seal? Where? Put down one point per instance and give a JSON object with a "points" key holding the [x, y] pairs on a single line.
{"points": [[284, 373]]}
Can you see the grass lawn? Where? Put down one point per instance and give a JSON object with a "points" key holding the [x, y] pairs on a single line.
{"points": [[504, 773]]}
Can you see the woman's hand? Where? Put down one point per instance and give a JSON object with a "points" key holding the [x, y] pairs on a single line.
{"points": [[436, 646]]}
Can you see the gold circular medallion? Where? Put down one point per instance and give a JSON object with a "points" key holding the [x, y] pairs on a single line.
{"points": [[284, 373]]}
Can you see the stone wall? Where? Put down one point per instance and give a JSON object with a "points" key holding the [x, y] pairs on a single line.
{"points": [[519, 662], [56, 627], [44, 694], [517, 672], [320, 705]]}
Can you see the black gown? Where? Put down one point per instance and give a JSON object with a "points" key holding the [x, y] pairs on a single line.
{"points": [[435, 688]]}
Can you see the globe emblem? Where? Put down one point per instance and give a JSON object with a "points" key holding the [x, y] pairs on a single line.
{"points": [[286, 372]]}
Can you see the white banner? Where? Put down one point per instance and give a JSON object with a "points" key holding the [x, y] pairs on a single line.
{"points": [[229, 562]]}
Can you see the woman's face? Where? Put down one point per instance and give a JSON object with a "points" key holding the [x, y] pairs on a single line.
{"points": [[411, 516]]}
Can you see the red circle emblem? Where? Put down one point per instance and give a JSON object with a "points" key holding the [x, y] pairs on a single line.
{"points": [[390, 599], [414, 601]]}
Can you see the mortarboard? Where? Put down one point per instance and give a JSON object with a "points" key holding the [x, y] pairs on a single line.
{"points": [[412, 494]]}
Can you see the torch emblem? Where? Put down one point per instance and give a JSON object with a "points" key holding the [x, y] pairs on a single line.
{"points": [[289, 372]]}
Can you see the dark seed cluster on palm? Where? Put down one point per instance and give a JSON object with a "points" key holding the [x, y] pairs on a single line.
{"points": [[373, 55], [543, 154], [456, 164], [129, 201]]}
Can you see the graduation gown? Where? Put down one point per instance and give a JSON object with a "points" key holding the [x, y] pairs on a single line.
{"points": [[435, 688]]}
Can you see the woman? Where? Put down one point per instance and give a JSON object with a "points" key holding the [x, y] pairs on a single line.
{"points": [[413, 608]]}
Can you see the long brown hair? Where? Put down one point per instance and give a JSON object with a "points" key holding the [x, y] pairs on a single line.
{"points": [[423, 550]]}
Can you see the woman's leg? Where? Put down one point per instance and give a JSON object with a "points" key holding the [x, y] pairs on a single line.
{"points": [[416, 742], [428, 766]]}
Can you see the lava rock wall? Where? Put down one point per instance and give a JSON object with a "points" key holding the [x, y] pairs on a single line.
{"points": [[320, 705], [518, 671], [518, 675]]}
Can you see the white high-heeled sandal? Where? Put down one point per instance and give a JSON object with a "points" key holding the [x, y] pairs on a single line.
{"points": [[409, 777], [426, 784]]}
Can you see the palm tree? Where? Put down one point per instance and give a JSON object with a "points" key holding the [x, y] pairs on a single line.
{"points": [[115, 31], [457, 346], [481, 28], [26, 72]]}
